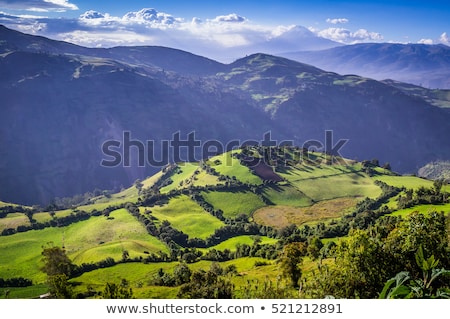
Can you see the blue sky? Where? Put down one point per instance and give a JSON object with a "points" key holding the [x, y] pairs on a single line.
{"points": [[234, 26]]}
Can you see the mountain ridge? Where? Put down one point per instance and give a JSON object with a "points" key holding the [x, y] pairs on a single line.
{"points": [[63, 106], [419, 64]]}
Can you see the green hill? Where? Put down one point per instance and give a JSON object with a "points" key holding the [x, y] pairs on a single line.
{"points": [[239, 208]]}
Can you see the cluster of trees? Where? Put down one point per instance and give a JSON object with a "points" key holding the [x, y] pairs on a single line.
{"points": [[9, 209], [274, 155], [369, 166], [368, 259], [423, 195], [117, 291], [76, 216], [214, 283], [59, 269], [80, 199], [15, 282]]}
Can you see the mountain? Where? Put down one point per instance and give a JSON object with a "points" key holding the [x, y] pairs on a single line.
{"points": [[436, 171], [150, 56], [420, 64], [378, 119], [59, 108], [440, 98]]}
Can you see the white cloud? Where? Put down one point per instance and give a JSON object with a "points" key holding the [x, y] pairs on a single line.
{"points": [[337, 20], [444, 39], [38, 5], [233, 17], [106, 38], [348, 37], [224, 37], [152, 16], [425, 41], [91, 14]]}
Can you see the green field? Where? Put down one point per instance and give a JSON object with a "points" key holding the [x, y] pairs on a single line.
{"points": [[86, 241], [142, 273], [322, 182], [336, 186], [43, 217], [24, 293], [182, 177], [227, 165], [231, 243], [408, 182], [286, 195], [13, 220], [233, 203], [308, 195], [129, 194], [187, 216], [425, 209]]}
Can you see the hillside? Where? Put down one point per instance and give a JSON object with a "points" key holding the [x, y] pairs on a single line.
{"points": [[63, 102], [237, 208], [419, 64]]}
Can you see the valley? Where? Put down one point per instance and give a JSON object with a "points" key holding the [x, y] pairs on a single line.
{"points": [[206, 215], [151, 172]]}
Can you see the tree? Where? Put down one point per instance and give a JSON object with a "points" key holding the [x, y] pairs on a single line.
{"points": [[56, 261], [360, 269], [138, 184], [418, 230], [59, 287], [428, 286], [125, 255], [291, 260], [58, 268], [206, 285], [389, 253], [182, 274], [114, 291], [314, 247]]}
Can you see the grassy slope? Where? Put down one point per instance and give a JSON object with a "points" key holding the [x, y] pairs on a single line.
{"points": [[143, 273], [234, 203], [286, 195], [13, 220], [425, 209], [324, 182], [230, 166], [183, 176], [187, 216], [82, 243], [232, 242], [309, 194]]}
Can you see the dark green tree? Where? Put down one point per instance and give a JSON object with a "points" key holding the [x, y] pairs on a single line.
{"points": [[58, 267], [55, 261], [59, 287], [290, 261], [206, 285], [182, 274], [114, 291]]}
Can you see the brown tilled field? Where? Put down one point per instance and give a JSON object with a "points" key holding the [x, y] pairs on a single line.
{"points": [[281, 216]]}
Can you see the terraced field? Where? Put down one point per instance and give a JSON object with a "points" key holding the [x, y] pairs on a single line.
{"points": [[198, 199]]}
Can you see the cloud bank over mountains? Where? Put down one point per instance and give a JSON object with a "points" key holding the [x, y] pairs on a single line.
{"points": [[38, 5], [224, 37]]}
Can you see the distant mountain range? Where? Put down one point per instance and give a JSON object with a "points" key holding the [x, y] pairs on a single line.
{"points": [[420, 64], [61, 102]]}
